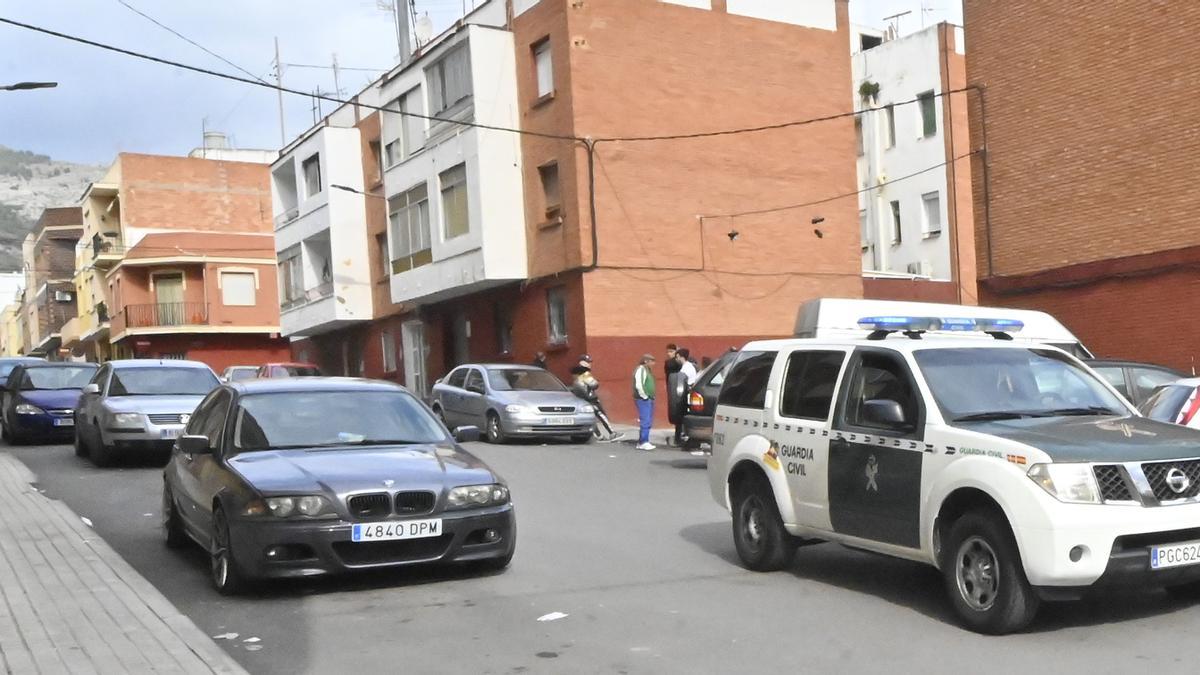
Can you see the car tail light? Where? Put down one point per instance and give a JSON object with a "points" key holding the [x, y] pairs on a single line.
{"points": [[696, 402]]}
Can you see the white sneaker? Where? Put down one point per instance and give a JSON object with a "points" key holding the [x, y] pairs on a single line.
{"points": [[645, 446]]}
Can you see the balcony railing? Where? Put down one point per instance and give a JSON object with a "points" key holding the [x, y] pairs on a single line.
{"points": [[166, 314]]}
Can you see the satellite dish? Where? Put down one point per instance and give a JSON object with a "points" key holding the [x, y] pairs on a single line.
{"points": [[424, 28]]}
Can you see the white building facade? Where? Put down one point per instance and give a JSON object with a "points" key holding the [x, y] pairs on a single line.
{"points": [[902, 148]]}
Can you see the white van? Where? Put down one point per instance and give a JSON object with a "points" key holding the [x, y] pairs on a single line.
{"points": [[838, 318]]}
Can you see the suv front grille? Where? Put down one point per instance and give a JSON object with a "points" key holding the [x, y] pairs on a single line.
{"points": [[414, 502], [1157, 472], [1113, 487], [374, 505]]}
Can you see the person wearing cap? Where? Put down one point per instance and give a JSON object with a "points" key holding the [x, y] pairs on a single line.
{"points": [[584, 386], [643, 398]]}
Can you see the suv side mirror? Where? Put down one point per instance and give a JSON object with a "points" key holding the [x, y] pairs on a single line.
{"points": [[91, 388], [194, 444], [883, 413], [466, 434]]}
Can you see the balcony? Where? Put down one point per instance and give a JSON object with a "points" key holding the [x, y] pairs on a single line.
{"points": [[160, 315], [106, 251]]}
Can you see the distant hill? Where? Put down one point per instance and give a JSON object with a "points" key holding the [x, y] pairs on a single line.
{"points": [[30, 182]]}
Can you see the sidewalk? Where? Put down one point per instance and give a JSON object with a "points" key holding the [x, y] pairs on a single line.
{"points": [[660, 437], [70, 604]]}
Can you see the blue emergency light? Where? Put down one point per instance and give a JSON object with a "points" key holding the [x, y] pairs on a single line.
{"points": [[913, 326]]}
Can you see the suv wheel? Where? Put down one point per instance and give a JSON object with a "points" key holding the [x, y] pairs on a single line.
{"points": [[758, 533], [984, 576]]}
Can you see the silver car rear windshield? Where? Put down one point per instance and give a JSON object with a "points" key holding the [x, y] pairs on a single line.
{"points": [[331, 419], [977, 384]]}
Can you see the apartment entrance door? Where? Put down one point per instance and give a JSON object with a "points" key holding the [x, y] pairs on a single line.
{"points": [[416, 350]]}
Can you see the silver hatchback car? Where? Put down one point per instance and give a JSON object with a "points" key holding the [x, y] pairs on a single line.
{"points": [[510, 401], [138, 404]]}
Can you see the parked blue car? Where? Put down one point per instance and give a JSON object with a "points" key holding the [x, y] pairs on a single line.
{"points": [[9, 362], [39, 401]]}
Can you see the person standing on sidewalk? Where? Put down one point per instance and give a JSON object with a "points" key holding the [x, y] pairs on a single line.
{"points": [[643, 397], [539, 361], [687, 371]]}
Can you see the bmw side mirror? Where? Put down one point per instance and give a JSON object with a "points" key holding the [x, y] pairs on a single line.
{"points": [[884, 413], [91, 388], [194, 444], [466, 434]]}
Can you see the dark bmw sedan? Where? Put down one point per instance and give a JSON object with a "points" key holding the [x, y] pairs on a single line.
{"points": [[305, 476], [39, 400]]}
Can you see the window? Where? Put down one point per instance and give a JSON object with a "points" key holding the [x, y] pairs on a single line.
{"points": [[746, 384], [858, 136], [238, 288], [556, 307], [931, 204], [1114, 375], [408, 220], [550, 192], [927, 103], [291, 277], [393, 152], [809, 382], [474, 381], [504, 332], [889, 113], [544, 67], [376, 162], [412, 130], [213, 423], [387, 343], [449, 80], [455, 216], [312, 175], [1146, 380], [1167, 404], [385, 265], [897, 235], [881, 376], [458, 378]]}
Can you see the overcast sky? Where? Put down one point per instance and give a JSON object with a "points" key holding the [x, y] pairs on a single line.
{"points": [[106, 103]]}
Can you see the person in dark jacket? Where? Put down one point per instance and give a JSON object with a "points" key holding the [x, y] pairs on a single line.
{"points": [[539, 360], [584, 385]]}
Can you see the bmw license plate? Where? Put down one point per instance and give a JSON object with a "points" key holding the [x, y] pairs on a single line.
{"points": [[170, 433], [64, 422], [1175, 555], [560, 421], [407, 529]]}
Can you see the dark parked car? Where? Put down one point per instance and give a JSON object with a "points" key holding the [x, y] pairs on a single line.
{"points": [[301, 476], [1176, 403], [1135, 381], [701, 402], [39, 400], [268, 370], [9, 362]]}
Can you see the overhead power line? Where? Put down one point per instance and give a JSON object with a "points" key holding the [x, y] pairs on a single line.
{"points": [[187, 39], [311, 65]]}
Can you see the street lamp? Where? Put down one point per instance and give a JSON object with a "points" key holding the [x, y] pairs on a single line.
{"points": [[347, 188], [29, 85]]}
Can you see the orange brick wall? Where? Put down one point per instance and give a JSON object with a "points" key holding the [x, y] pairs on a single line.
{"points": [[192, 194]]}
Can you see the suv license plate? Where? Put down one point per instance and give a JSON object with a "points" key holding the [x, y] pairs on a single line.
{"points": [[408, 529], [1175, 555], [560, 421]]}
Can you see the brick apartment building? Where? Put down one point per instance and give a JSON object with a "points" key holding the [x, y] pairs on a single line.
{"points": [[489, 252], [48, 256], [1088, 211], [175, 260]]}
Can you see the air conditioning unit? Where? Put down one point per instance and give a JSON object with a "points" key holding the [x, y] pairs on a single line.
{"points": [[63, 296], [923, 268]]}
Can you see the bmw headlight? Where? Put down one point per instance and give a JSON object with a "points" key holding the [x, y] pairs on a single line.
{"points": [[473, 496], [125, 421], [26, 409], [310, 506], [1071, 483]]}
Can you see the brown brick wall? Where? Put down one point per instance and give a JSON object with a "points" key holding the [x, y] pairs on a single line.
{"points": [[957, 138], [192, 194], [1090, 128]]}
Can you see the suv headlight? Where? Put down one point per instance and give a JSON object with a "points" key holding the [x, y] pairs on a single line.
{"points": [[27, 409], [125, 421], [473, 496], [1067, 482], [303, 506]]}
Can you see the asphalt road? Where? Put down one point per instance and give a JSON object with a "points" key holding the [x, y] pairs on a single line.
{"points": [[630, 546]]}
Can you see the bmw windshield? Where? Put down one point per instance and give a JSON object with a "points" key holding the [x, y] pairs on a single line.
{"points": [[980, 384], [312, 419]]}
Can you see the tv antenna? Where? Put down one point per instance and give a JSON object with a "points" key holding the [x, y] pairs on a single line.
{"points": [[894, 22], [926, 10]]}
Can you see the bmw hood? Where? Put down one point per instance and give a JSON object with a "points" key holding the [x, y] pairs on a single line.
{"points": [[343, 470], [148, 405], [52, 399], [1098, 439]]}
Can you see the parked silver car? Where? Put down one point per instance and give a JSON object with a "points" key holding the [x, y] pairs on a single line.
{"points": [[510, 401], [138, 404]]}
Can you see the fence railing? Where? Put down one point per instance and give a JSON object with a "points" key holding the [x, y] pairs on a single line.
{"points": [[166, 314]]}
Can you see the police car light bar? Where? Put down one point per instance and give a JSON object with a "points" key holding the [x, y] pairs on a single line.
{"points": [[882, 325]]}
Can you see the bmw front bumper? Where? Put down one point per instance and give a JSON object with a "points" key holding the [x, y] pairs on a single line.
{"points": [[298, 548]]}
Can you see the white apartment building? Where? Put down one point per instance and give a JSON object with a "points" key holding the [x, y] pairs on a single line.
{"points": [[906, 222]]}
